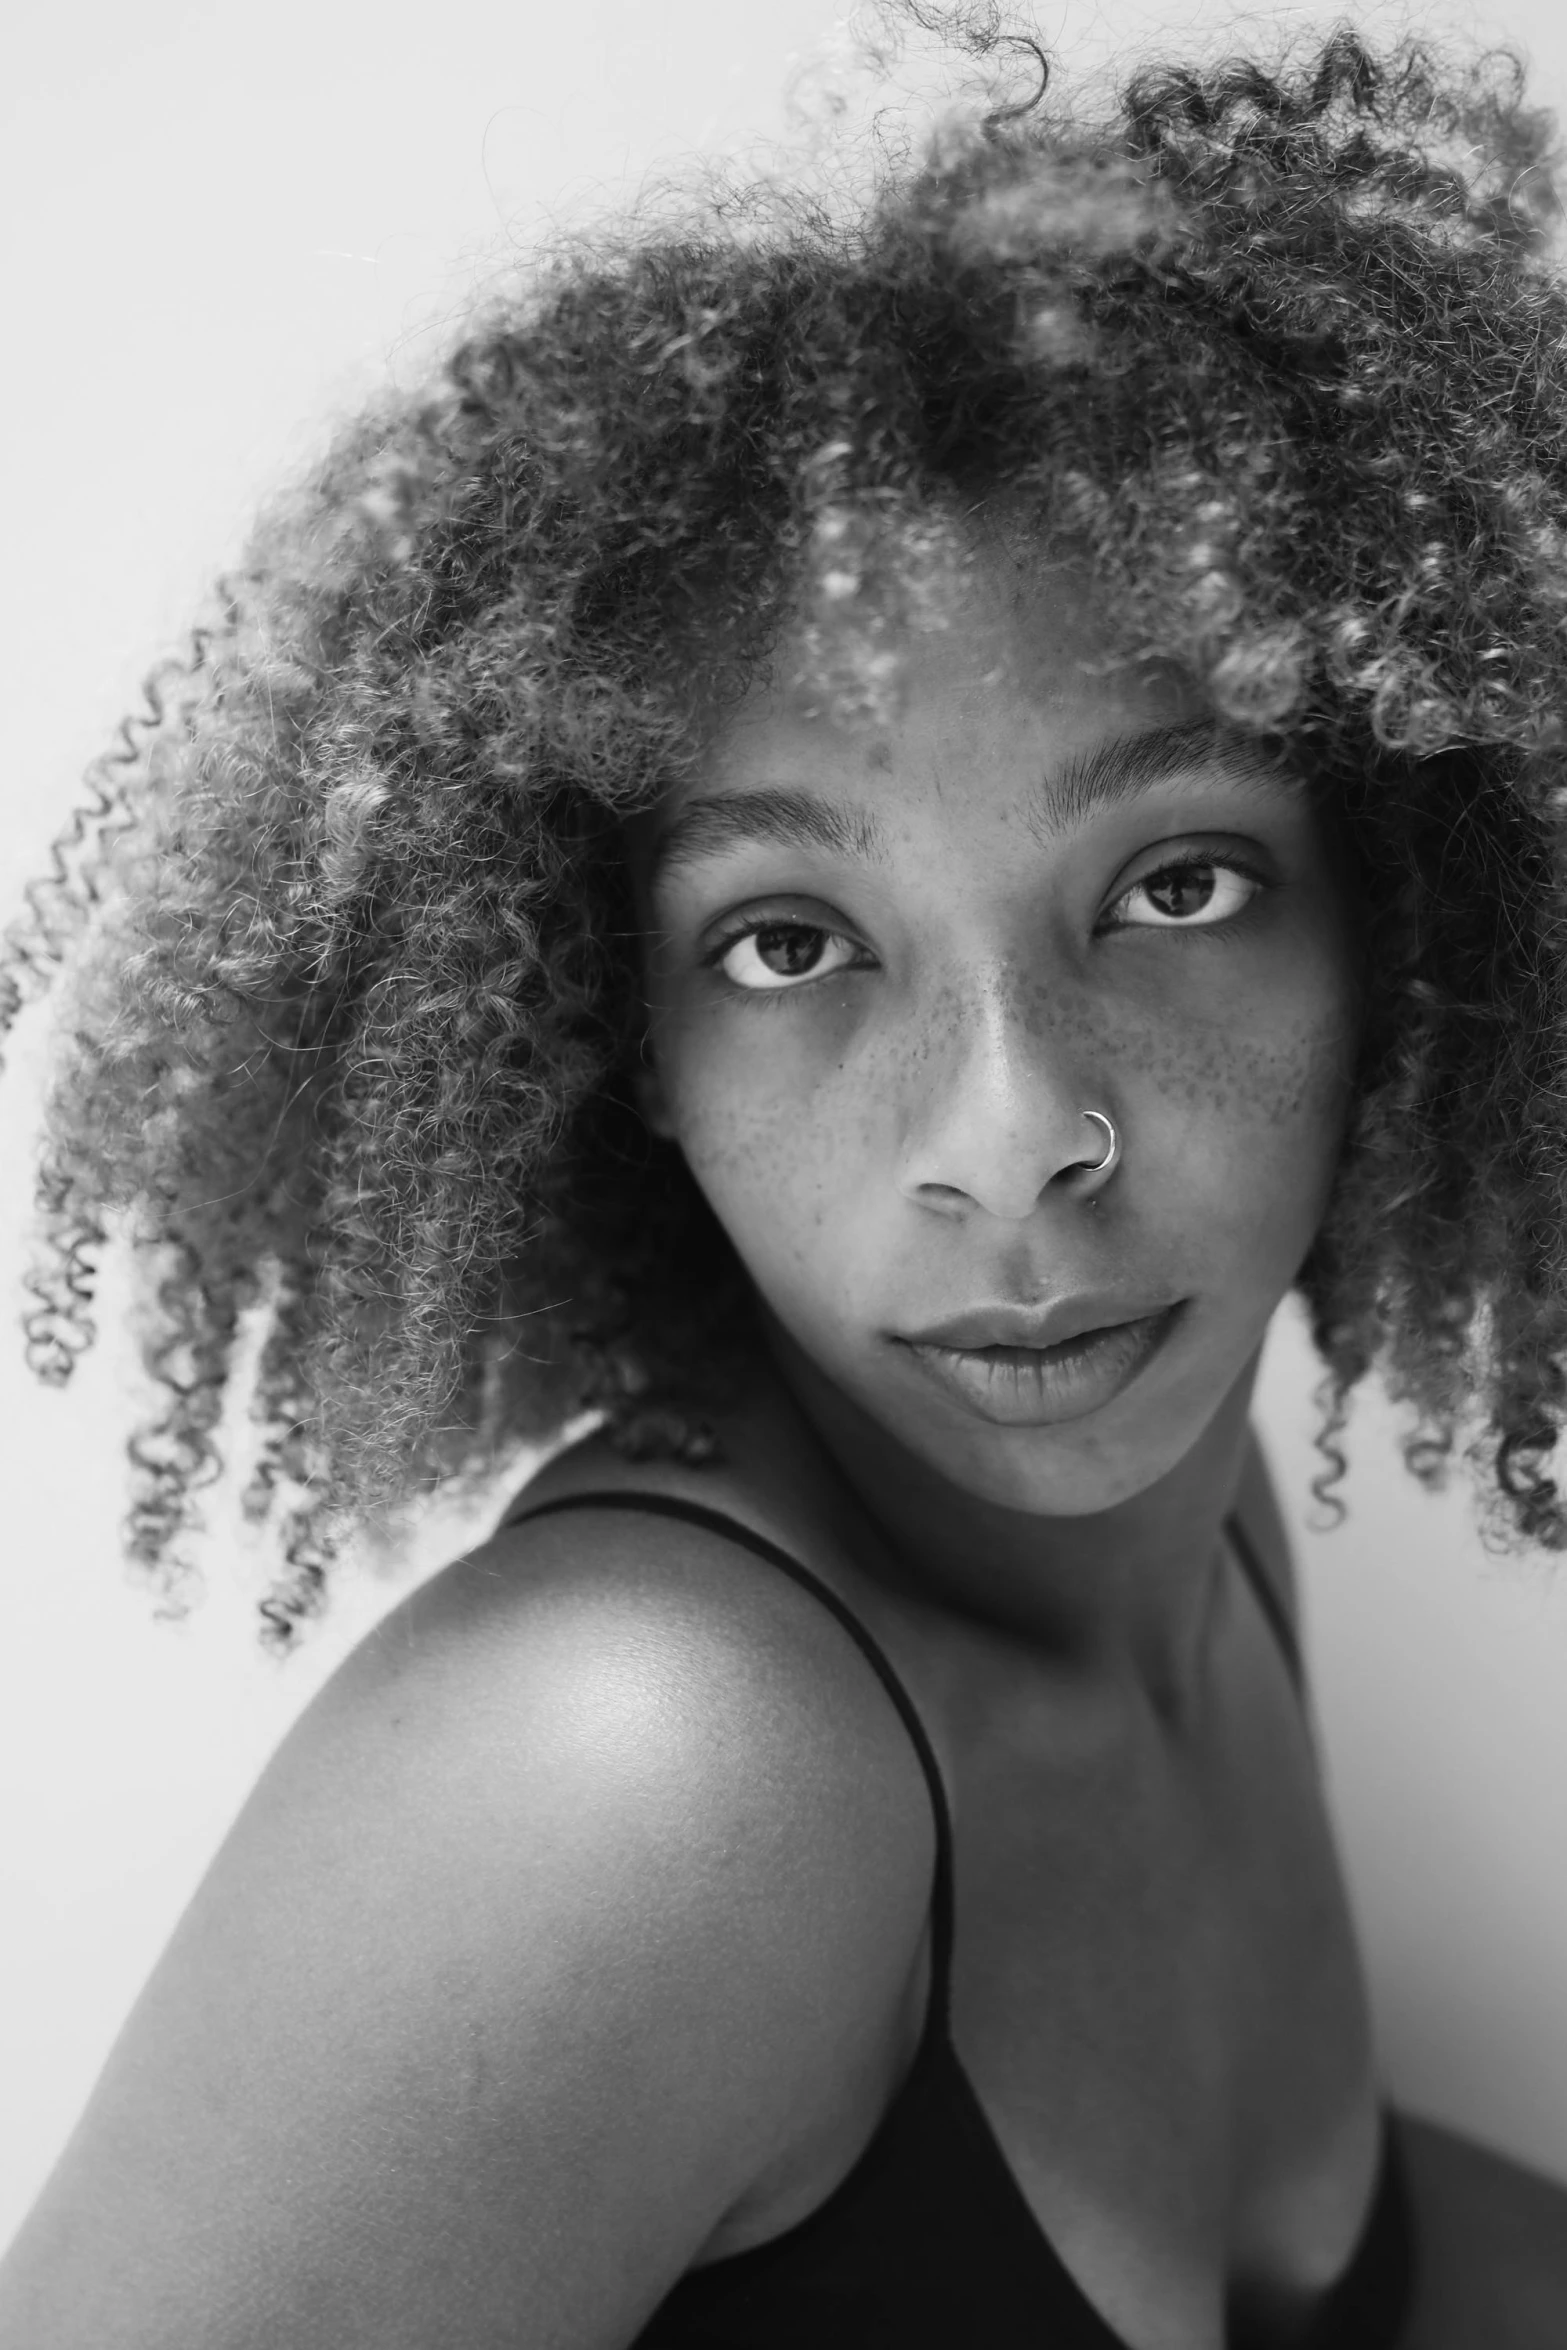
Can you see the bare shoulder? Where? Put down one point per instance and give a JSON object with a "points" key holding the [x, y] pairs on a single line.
{"points": [[706, 1673], [715, 1700], [548, 1930], [1491, 2239]]}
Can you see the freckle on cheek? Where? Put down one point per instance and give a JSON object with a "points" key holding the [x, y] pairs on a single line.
{"points": [[1300, 1080], [1263, 1084]]}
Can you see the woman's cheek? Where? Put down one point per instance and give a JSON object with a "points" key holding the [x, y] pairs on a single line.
{"points": [[777, 1135], [1289, 1087], [1234, 1116], [1270, 1105], [1266, 1041]]}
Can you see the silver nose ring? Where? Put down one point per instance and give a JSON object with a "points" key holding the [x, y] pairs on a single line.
{"points": [[1102, 1169]]}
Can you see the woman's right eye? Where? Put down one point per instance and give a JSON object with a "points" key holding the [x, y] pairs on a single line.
{"points": [[781, 954]]}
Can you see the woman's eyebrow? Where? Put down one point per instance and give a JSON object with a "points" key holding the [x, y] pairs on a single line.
{"points": [[797, 819], [1129, 763]]}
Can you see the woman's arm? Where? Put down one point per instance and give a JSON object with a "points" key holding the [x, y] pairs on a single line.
{"points": [[1491, 2242], [546, 1932]]}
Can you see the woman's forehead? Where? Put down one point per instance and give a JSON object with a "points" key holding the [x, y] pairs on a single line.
{"points": [[1003, 697], [1004, 764], [1012, 668], [1004, 623]]}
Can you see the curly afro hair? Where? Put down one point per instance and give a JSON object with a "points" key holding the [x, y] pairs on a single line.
{"points": [[351, 966]]}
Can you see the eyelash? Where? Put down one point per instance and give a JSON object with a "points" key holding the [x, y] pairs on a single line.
{"points": [[1192, 862]]}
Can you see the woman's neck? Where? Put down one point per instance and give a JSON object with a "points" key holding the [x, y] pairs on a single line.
{"points": [[1125, 1594]]}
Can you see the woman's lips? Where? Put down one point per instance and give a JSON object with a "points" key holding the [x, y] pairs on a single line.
{"points": [[1031, 1386]]}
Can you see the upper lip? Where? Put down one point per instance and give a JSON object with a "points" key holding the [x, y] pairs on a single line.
{"points": [[1030, 1326]]}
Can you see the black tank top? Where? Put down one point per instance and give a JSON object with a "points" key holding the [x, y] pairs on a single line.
{"points": [[928, 2243]]}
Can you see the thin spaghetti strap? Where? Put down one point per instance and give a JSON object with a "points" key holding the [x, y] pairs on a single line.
{"points": [[695, 1513], [1270, 1603]]}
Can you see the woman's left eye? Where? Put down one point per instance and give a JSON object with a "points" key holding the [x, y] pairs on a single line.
{"points": [[1187, 896]]}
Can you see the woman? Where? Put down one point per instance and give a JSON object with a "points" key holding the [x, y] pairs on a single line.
{"points": [[850, 849]]}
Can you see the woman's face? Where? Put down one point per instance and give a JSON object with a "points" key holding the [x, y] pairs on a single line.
{"points": [[890, 969]]}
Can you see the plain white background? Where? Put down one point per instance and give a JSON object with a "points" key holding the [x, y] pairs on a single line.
{"points": [[221, 225]]}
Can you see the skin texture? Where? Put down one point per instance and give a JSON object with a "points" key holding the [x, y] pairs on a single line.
{"points": [[578, 1933], [513, 1974], [901, 1138]]}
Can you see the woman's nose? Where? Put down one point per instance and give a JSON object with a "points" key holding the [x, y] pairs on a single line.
{"points": [[999, 1108]]}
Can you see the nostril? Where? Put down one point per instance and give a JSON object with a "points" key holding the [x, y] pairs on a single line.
{"points": [[943, 1195]]}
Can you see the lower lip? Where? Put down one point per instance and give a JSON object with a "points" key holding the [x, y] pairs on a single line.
{"points": [[1032, 1386]]}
